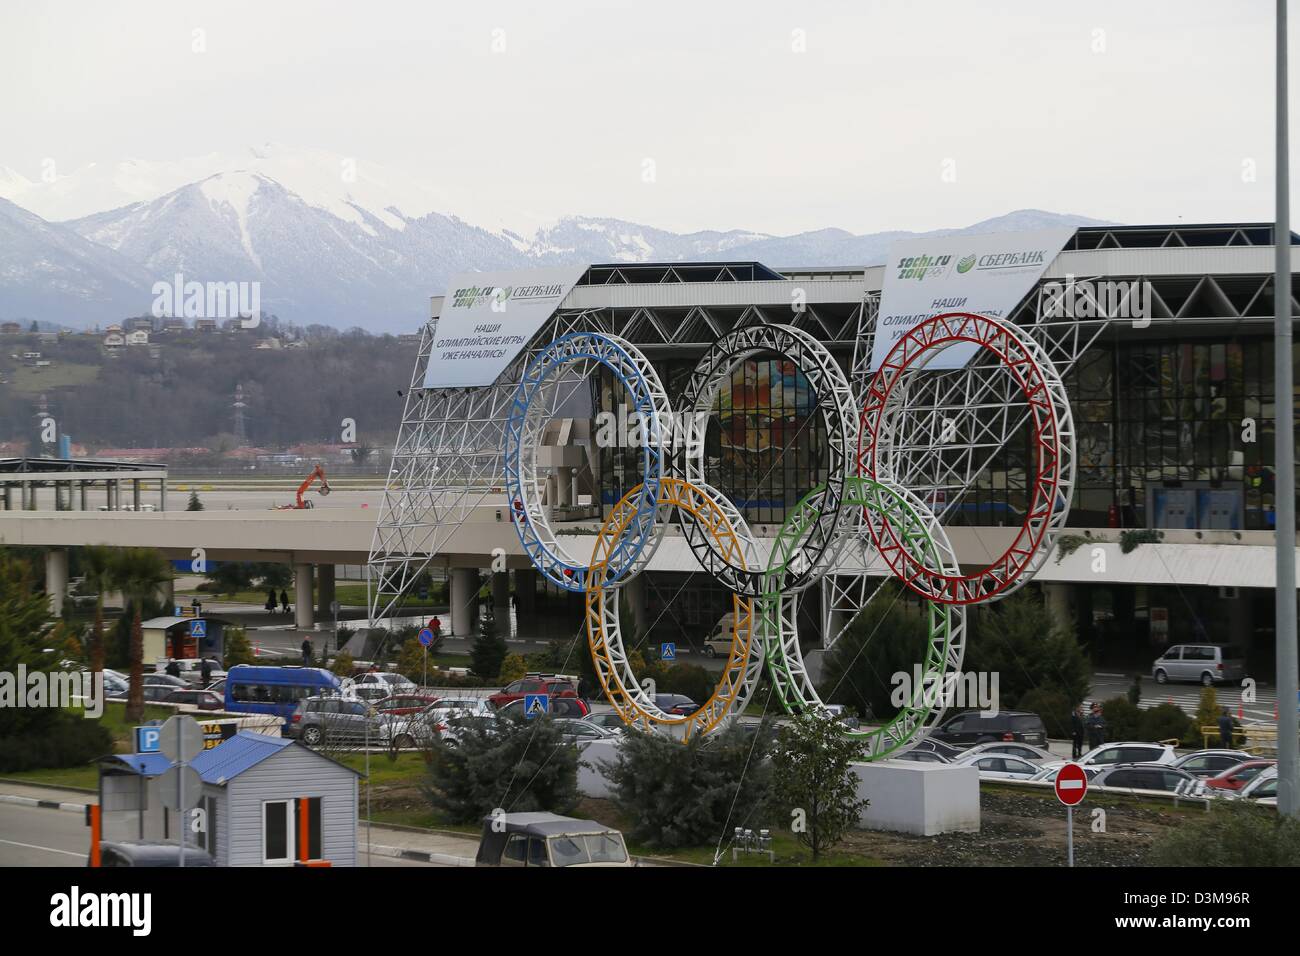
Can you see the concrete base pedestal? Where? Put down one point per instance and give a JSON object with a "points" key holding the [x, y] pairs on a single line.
{"points": [[921, 798], [591, 782]]}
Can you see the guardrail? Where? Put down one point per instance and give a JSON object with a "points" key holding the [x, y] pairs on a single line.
{"points": [[1177, 799], [1252, 738]]}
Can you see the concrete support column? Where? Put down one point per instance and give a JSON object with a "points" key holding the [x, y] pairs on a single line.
{"points": [[162, 494], [135, 493], [56, 578], [525, 591], [464, 601], [562, 486], [501, 590], [83, 495], [117, 494], [1060, 603], [302, 609], [573, 488], [325, 593], [8, 496]]}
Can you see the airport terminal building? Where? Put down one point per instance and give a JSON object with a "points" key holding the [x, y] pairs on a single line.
{"points": [[1173, 414]]}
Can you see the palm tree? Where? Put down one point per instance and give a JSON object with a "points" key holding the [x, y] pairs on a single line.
{"points": [[136, 573], [97, 568]]}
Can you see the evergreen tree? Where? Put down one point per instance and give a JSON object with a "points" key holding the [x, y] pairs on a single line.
{"points": [[488, 651], [194, 503]]}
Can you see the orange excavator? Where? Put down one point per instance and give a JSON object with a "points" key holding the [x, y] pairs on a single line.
{"points": [[324, 489]]}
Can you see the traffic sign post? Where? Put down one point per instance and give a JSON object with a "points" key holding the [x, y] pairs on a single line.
{"points": [[180, 741], [668, 651], [426, 638], [1071, 787]]}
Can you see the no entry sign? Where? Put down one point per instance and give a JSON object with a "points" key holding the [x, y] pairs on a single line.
{"points": [[1071, 784]]}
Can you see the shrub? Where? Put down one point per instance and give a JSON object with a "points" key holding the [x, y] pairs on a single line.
{"points": [[689, 679], [1123, 720], [512, 668], [1166, 722], [1231, 834], [343, 665], [516, 766], [56, 739], [689, 794], [1053, 706]]}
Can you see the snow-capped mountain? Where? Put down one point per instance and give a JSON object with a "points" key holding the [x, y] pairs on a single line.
{"points": [[48, 272], [330, 240]]}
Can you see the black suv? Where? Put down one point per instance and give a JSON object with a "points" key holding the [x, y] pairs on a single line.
{"points": [[976, 727]]}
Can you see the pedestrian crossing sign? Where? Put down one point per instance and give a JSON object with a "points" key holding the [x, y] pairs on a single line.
{"points": [[535, 705]]}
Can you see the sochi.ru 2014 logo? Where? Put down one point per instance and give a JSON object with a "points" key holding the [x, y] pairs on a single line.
{"points": [[965, 264]]}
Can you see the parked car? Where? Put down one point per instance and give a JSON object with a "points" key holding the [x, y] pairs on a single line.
{"points": [[1235, 778], [1263, 789], [549, 840], [156, 693], [192, 669], [567, 708], [164, 680], [977, 727], [1131, 752], [218, 687], [202, 699], [998, 766], [1015, 749], [921, 756], [319, 721], [1207, 664], [406, 703], [947, 751], [114, 686], [1208, 763], [676, 704], [610, 720], [548, 684], [580, 730], [376, 685], [1048, 774], [150, 854], [1146, 776]]}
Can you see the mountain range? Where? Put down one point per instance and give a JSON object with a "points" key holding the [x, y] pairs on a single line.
{"points": [[331, 240]]}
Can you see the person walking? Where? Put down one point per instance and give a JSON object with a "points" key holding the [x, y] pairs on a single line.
{"points": [[173, 669], [1225, 728], [205, 671], [1076, 732], [284, 601], [306, 652], [270, 601]]}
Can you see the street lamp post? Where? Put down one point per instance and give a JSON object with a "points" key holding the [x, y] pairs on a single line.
{"points": [[1288, 759]]}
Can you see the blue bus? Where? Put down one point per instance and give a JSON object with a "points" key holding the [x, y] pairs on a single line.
{"points": [[257, 689]]}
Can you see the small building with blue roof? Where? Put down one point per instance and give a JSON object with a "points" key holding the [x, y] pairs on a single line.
{"points": [[255, 790]]}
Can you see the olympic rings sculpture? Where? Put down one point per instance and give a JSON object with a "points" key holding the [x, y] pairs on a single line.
{"points": [[861, 503]]}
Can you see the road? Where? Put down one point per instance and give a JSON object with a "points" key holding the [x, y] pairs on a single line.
{"points": [[34, 836], [1187, 697]]}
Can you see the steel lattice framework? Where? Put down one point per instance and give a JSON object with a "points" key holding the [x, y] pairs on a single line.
{"points": [[448, 461], [835, 405]]}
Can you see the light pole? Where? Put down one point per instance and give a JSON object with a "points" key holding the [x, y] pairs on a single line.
{"points": [[1288, 760]]}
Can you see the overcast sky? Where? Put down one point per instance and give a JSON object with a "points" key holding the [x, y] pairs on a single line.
{"points": [[1147, 111]]}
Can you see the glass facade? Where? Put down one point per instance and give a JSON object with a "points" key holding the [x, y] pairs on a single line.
{"points": [[765, 447]]}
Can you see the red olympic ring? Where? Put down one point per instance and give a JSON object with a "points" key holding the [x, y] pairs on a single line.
{"points": [[877, 425]]}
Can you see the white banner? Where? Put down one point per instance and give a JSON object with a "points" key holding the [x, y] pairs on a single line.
{"points": [[488, 317], [987, 274]]}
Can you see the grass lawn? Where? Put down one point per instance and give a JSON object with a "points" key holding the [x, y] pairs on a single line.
{"points": [[30, 380], [85, 777]]}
